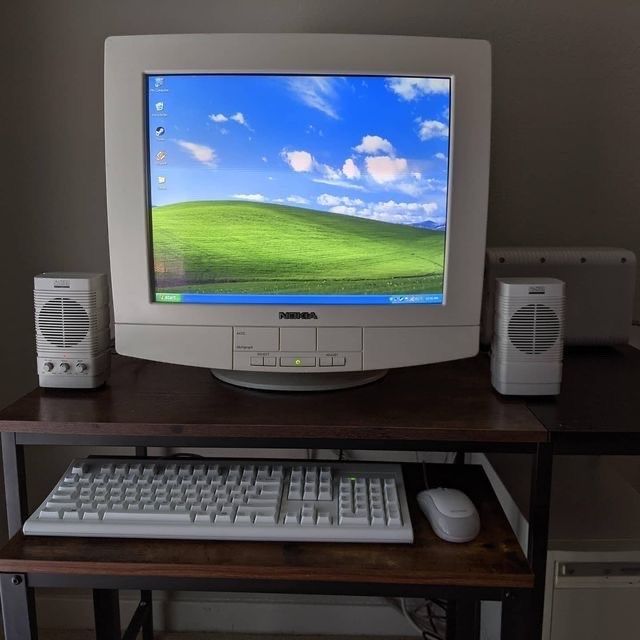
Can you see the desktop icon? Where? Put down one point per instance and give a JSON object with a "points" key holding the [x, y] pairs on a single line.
{"points": [[161, 155], [162, 180], [159, 106], [159, 83], [160, 132]]}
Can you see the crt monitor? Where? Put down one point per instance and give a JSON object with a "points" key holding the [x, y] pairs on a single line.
{"points": [[297, 211]]}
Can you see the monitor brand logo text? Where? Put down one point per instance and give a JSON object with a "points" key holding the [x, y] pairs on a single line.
{"points": [[297, 315]]}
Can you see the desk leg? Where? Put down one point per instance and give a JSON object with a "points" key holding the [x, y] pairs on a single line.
{"points": [[463, 619], [106, 612], [539, 532], [18, 608], [516, 615], [147, 625], [15, 487], [18, 600]]}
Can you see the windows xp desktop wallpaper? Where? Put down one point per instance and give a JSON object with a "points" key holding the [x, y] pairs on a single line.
{"points": [[298, 189]]}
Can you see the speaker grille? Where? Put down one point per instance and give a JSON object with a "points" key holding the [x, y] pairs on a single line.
{"points": [[534, 329], [63, 322]]}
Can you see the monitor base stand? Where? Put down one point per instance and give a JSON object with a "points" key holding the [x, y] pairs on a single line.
{"points": [[266, 381]]}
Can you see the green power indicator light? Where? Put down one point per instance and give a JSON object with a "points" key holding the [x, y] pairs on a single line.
{"points": [[298, 361]]}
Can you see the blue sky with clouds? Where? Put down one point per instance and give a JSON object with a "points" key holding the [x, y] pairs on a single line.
{"points": [[373, 147]]}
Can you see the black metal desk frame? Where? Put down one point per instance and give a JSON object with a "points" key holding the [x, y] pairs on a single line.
{"points": [[522, 608]]}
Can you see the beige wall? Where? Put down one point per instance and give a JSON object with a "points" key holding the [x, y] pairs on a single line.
{"points": [[566, 129]]}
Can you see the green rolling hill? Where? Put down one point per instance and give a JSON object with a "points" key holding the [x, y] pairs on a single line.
{"points": [[247, 247]]}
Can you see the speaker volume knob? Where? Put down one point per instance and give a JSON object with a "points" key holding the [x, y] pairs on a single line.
{"points": [[81, 367], [64, 366], [48, 366]]}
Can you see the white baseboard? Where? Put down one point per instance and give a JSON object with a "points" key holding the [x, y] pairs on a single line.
{"points": [[239, 613]]}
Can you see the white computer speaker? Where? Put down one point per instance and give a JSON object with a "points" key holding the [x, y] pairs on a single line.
{"points": [[528, 338], [72, 329]]}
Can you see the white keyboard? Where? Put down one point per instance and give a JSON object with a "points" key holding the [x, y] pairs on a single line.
{"points": [[227, 500]]}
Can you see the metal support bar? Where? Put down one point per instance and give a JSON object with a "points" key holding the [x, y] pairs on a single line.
{"points": [[142, 619], [147, 625], [539, 533], [201, 442], [14, 483], [514, 621], [463, 619], [106, 611], [452, 626], [18, 608], [467, 619]]}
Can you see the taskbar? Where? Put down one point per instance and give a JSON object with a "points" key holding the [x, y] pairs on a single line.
{"points": [[299, 299]]}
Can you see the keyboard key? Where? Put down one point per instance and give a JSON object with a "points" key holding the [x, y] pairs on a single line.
{"points": [[353, 520], [265, 518], [50, 514], [223, 518], [148, 516]]}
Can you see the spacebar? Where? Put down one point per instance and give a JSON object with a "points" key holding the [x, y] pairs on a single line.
{"points": [[146, 516]]}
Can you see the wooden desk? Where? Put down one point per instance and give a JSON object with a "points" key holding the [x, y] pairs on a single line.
{"points": [[448, 406], [598, 411]]}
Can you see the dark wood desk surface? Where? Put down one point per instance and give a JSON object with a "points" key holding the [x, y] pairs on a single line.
{"points": [[447, 402], [598, 410], [493, 560]]}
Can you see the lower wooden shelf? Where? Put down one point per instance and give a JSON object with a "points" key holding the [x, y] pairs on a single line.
{"points": [[493, 560]]}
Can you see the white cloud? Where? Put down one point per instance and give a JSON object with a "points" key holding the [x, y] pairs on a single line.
{"points": [[252, 197], [410, 188], [400, 212], [412, 88], [240, 119], [236, 117], [384, 169], [440, 156], [344, 210], [374, 144], [430, 129], [297, 200], [344, 184], [299, 161], [278, 199], [317, 92], [264, 159], [329, 172], [392, 205], [199, 152], [433, 184], [328, 200], [350, 169]]}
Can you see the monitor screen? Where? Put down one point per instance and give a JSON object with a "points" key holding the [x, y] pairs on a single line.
{"points": [[297, 189]]}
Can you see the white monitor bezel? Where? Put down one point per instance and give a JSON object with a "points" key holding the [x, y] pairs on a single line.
{"points": [[128, 59]]}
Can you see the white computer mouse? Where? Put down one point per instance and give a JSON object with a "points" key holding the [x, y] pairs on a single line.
{"points": [[451, 514]]}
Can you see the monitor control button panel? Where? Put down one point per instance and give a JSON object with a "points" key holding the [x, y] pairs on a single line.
{"points": [[297, 348]]}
